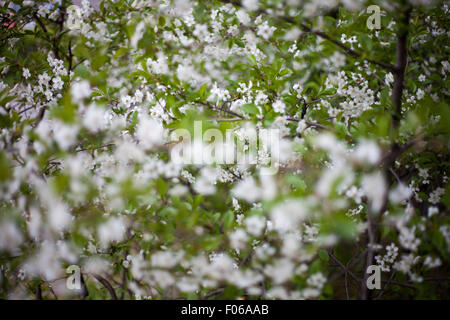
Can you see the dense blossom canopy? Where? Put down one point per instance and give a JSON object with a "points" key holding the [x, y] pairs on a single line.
{"points": [[94, 96]]}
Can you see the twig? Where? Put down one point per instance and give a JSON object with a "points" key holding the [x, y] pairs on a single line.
{"points": [[85, 292], [106, 284], [344, 268], [385, 286], [213, 293]]}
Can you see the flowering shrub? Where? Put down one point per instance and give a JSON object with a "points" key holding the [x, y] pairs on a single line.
{"points": [[93, 98]]}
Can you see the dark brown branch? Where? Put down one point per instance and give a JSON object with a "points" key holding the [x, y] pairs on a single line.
{"points": [[386, 285], [106, 284], [47, 35], [43, 27], [400, 67], [213, 293], [401, 284], [40, 116], [70, 58], [320, 126], [396, 151], [307, 104], [85, 291], [96, 148], [39, 292], [346, 270]]}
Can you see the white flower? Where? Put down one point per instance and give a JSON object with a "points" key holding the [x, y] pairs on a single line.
{"points": [[138, 34], [94, 118], [26, 73], [96, 264], [45, 263], [30, 26], [238, 239], [64, 134], [246, 190], [301, 126], [251, 5], [435, 196], [374, 186], [178, 190], [255, 225], [265, 31], [291, 245], [389, 78], [281, 271], [10, 236], [432, 211], [80, 90], [367, 152], [59, 216], [236, 205], [186, 284], [261, 98], [206, 183], [355, 194], [408, 238], [243, 17], [112, 230], [400, 193], [432, 263], [317, 280], [126, 101], [406, 263], [166, 259], [288, 215], [150, 132], [201, 31], [221, 94], [310, 293], [57, 83], [292, 34], [279, 106], [159, 66], [420, 94], [163, 278]]}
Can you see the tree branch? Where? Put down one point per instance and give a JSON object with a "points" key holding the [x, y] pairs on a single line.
{"points": [[347, 270], [400, 67], [106, 284]]}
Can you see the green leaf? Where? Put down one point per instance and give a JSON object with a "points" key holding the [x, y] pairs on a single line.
{"points": [[202, 91], [228, 219], [5, 167], [284, 72], [161, 187], [252, 60], [323, 255], [250, 108]]}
